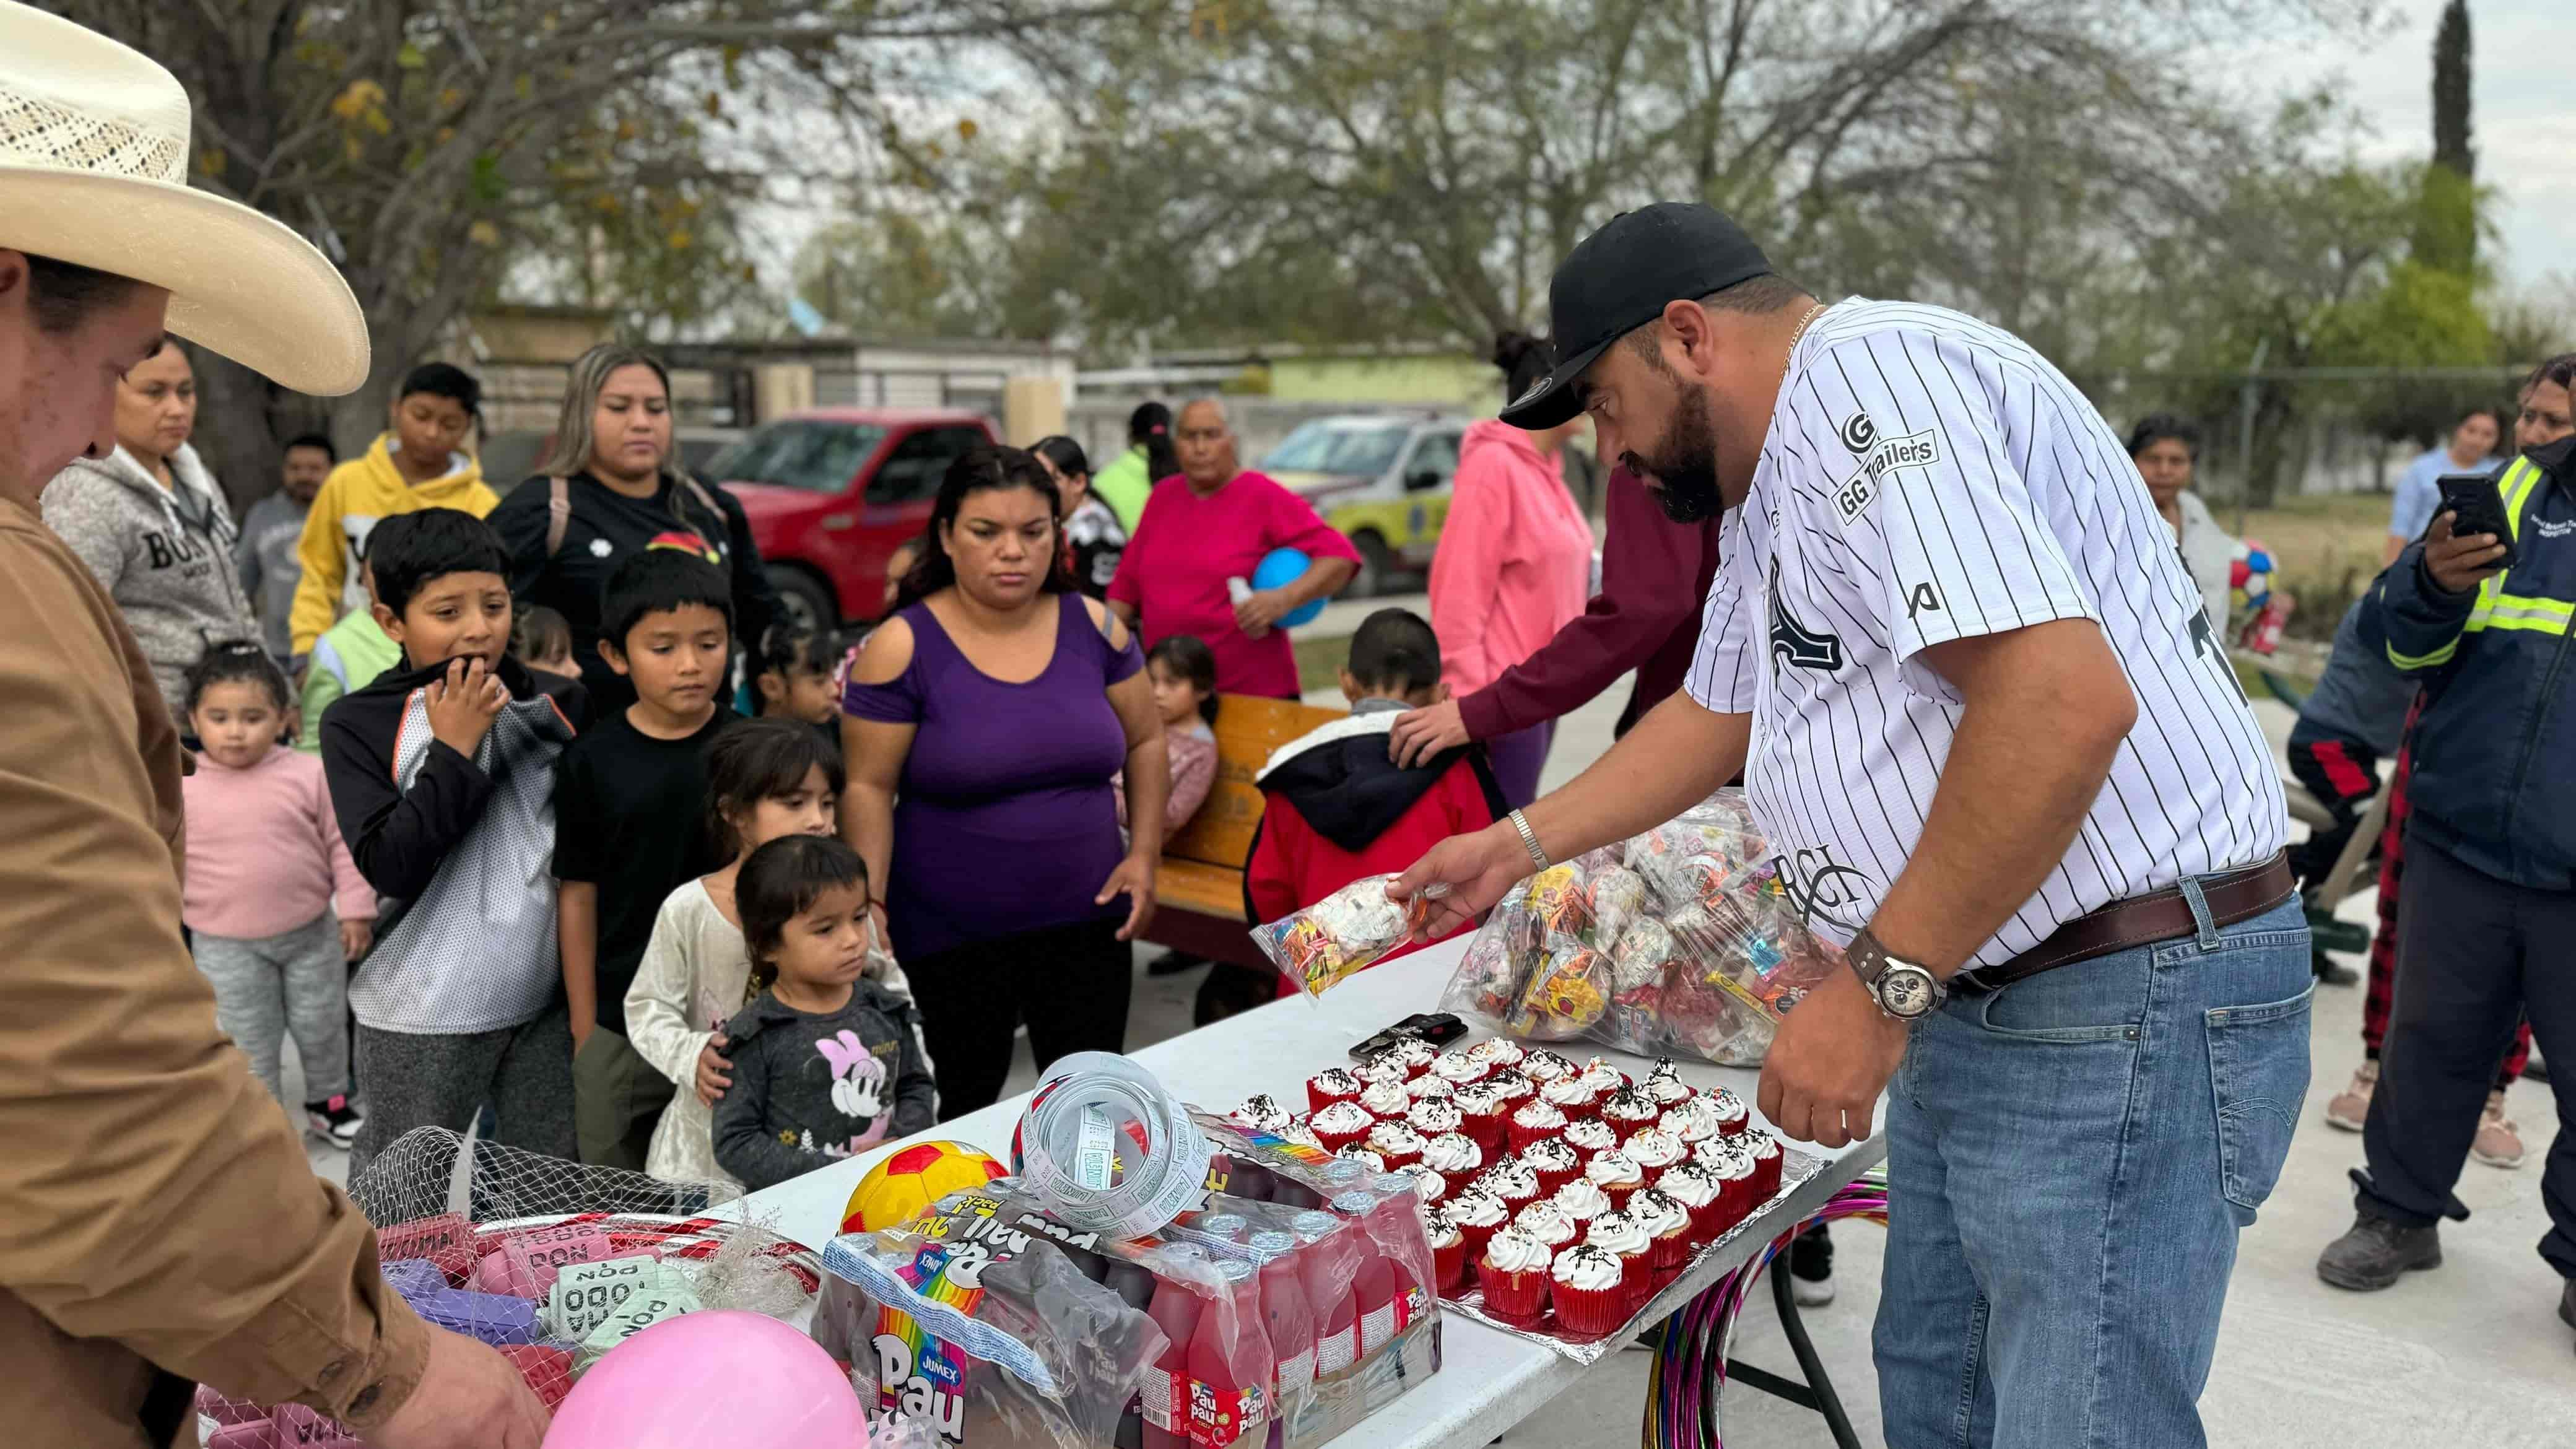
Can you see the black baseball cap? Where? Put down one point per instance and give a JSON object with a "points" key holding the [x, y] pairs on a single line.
{"points": [[1619, 279]]}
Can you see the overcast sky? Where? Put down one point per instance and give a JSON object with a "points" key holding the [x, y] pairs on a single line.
{"points": [[2523, 68]]}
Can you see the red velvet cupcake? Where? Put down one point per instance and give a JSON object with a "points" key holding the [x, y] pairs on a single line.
{"points": [[1590, 1290], [1329, 1086], [1535, 1121], [1513, 1272], [1555, 1163]]}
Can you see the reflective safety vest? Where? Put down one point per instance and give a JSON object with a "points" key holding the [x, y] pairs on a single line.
{"points": [[2494, 778]]}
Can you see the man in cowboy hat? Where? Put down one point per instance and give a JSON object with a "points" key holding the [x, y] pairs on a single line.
{"points": [[158, 1221]]}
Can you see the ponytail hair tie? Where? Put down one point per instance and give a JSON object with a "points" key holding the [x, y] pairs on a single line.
{"points": [[1159, 430]]}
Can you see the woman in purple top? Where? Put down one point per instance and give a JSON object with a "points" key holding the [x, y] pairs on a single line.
{"points": [[983, 723]]}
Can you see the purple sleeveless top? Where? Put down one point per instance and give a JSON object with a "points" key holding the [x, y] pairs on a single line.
{"points": [[1004, 820]]}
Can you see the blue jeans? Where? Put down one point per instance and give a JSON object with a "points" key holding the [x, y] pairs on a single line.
{"points": [[2069, 1161]]}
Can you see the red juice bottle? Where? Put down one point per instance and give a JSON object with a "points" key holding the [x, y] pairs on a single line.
{"points": [[1177, 1311], [1329, 1303], [1374, 1285], [1284, 1313], [1227, 1401]]}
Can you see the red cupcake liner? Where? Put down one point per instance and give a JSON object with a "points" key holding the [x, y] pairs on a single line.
{"points": [[1549, 1182], [1449, 1265], [1618, 1193], [1708, 1220], [1765, 1180], [1734, 1200], [1336, 1141], [1512, 1204], [1671, 1250], [1514, 1295], [1475, 1238], [1592, 1314], [1627, 1127], [1522, 1138], [1395, 1160], [1317, 1100], [1736, 1128], [1488, 1130], [1458, 1180]]}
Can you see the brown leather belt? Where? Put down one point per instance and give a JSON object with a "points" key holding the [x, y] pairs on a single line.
{"points": [[2237, 895]]}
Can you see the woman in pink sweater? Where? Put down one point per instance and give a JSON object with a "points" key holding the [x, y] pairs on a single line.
{"points": [[1515, 561], [275, 907]]}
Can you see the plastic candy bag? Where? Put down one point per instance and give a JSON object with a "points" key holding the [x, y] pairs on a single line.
{"points": [[1679, 939], [1324, 944]]}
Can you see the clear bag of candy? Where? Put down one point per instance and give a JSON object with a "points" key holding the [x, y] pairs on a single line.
{"points": [[1322, 945], [1680, 939]]}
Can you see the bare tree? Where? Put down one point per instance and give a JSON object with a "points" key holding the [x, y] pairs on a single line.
{"points": [[434, 147]]}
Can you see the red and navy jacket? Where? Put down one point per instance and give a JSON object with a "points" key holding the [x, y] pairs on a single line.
{"points": [[2495, 752]]}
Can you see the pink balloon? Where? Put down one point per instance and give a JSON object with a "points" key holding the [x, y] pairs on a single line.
{"points": [[715, 1379]]}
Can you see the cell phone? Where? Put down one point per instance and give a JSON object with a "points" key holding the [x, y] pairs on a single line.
{"points": [[1439, 1028], [2476, 506]]}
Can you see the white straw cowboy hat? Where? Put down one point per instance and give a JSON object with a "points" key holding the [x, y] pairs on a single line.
{"points": [[94, 148]]}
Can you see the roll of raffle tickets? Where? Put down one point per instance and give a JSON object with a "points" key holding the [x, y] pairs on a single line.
{"points": [[1109, 1150]]}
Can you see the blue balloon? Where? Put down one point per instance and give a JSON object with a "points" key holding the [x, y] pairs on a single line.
{"points": [[1286, 566]]}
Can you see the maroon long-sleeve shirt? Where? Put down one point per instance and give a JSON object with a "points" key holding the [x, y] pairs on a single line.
{"points": [[1654, 577]]}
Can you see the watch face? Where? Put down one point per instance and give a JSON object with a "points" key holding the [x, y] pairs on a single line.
{"points": [[1905, 993]]}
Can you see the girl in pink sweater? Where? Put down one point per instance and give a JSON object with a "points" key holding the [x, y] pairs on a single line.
{"points": [[1515, 562], [275, 907]]}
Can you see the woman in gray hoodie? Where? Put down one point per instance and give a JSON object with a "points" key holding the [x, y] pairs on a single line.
{"points": [[151, 524]]}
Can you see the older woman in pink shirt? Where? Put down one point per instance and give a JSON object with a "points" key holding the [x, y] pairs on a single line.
{"points": [[1515, 561]]}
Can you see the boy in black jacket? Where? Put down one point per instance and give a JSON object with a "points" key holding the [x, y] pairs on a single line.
{"points": [[630, 827], [442, 776]]}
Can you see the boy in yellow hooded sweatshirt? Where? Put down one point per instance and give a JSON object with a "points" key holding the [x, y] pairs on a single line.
{"points": [[416, 464]]}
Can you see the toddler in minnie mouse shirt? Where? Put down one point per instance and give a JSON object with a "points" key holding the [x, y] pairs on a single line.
{"points": [[825, 1061]]}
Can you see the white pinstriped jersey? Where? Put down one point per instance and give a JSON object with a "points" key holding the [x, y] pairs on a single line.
{"points": [[1927, 477]]}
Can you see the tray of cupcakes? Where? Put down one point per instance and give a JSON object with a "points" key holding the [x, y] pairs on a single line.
{"points": [[1565, 1201]]}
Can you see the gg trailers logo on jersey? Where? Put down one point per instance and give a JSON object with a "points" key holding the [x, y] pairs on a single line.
{"points": [[1878, 457]]}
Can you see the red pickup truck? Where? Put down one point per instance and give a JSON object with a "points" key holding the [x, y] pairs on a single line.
{"points": [[833, 492]]}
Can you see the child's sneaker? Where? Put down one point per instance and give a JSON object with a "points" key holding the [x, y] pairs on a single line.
{"points": [[334, 1120], [2350, 1108]]}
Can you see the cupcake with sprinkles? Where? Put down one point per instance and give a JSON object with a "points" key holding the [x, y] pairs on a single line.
{"points": [[1496, 1053], [1260, 1114], [1555, 1163], [1396, 1144], [1383, 1100], [1570, 1096], [1301, 1132], [1455, 1156], [1458, 1068], [1412, 1053], [1696, 1189], [1448, 1249], [1622, 1234], [1727, 1110], [1546, 1222], [1544, 1066], [1331, 1085], [1511, 1180], [1655, 1149], [1630, 1110], [1428, 1186], [1667, 1222], [1581, 1200], [1513, 1272], [1425, 1087], [1340, 1124], [1766, 1165], [1436, 1117], [1383, 1068], [1535, 1121], [1478, 1215], [1362, 1154], [1590, 1137], [1617, 1174], [1665, 1085], [1694, 1121], [1514, 1086], [1602, 1077], [1730, 1161], [1590, 1290], [1484, 1112]]}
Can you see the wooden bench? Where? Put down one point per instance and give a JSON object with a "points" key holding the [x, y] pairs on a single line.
{"points": [[1198, 891]]}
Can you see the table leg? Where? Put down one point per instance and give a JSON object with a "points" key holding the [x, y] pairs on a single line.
{"points": [[1817, 1392]]}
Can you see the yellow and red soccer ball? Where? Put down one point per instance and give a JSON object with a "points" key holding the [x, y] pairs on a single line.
{"points": [[910, 1179]]}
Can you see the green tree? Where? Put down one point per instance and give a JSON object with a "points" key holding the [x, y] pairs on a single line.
{"points": [[2448, 235]]}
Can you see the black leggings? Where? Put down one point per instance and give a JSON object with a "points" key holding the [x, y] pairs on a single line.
{"points": [[1069, 983]]}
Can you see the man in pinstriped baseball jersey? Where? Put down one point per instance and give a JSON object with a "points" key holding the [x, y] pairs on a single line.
{"points": [[1982, 716]]}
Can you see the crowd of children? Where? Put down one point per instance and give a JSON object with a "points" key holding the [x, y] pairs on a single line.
{"points": [[637, 939]]}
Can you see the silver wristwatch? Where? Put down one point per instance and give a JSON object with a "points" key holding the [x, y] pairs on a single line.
{"points": [[1904, 990]]}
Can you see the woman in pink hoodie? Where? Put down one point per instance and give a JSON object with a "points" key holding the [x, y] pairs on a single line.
{"points": [[1515, 560]]}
